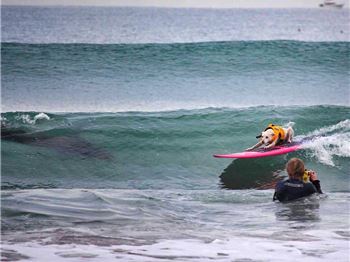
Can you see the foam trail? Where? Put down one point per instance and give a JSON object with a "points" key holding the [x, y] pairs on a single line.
{"points": [[26, 119], [196, 250], [341, 126], [330, 141], [41, 116]]}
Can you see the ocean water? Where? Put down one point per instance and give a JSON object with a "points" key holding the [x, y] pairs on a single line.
{"points": [[110, 118]]}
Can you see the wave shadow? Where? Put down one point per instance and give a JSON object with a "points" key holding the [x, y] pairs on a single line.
{"points": [[257, 173], [64, 144]]}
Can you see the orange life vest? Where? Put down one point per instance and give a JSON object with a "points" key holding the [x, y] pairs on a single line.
{"points": [[278, 132]]}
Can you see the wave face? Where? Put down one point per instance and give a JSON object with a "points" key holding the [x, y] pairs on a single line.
{"points": [[165, 149], [160, 25], [153, 77]]}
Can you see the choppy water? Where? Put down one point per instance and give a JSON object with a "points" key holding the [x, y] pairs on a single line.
{"points": [[107, 139]]}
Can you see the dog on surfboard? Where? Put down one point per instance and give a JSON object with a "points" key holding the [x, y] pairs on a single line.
{"points": [[273, 135]]}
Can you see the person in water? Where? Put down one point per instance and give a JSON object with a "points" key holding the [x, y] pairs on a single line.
{"points": [[301, 182]]}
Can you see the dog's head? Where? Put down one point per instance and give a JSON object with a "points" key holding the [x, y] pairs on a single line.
{"points": [[267, 136]]}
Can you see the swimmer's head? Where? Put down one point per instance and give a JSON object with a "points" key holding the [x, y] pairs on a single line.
{"points": [[295, 168]]}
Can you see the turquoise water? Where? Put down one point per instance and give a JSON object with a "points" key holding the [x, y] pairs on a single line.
{"points": [[158, 77], [111, 116], [163, 150]]}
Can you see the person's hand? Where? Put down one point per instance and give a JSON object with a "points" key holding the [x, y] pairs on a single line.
{"points": [[312, 175]]}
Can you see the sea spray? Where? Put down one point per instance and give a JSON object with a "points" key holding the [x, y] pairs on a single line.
{"points": [[330, 141], [26, 118]]}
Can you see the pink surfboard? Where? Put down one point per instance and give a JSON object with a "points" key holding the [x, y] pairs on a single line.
{"points": [[275, 151]]}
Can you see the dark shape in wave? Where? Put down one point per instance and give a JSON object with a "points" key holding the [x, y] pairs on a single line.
{"points": [[72, 145], [252, 173]]}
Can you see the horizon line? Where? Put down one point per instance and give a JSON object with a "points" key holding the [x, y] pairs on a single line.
{"points": [[188, 4], [173, 7]]}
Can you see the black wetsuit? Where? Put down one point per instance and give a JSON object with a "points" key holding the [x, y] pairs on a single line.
{"points": [[292, 189]]}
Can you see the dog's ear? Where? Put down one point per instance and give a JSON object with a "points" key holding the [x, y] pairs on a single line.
{"points": [[259, 136]]}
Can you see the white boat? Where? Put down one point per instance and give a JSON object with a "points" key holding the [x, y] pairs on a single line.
{"points": [[331, 4]]}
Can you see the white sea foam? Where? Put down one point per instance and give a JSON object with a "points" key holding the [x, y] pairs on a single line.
{"points": [[341, 126], [41, 116], [325, 148], [26, 119], [330, 141], [319, 246]]}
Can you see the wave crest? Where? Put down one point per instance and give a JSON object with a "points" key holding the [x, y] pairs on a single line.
{"points": [[26, 118], [331, 141]]}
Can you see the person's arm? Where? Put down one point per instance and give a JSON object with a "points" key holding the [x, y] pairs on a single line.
{"points": [[314, 180]]}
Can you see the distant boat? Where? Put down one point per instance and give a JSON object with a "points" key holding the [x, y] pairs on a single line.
{"points": [[331, 4]]}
